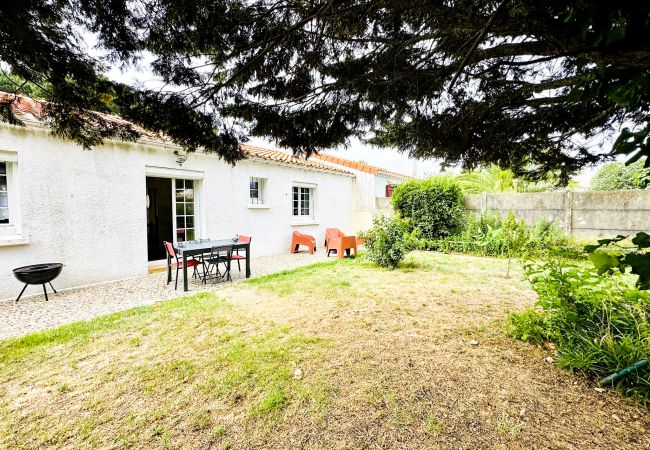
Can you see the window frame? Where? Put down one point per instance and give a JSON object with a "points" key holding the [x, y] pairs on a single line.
{"points": [[301, 188], [261, 192], [12, 229], [6, 192], [195, 228]]}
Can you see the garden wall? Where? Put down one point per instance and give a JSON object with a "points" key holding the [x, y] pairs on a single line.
{"points": [[581, 214]]}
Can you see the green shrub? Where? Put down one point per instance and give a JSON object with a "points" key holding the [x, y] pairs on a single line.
{"points": [[599, 324], [528, 326], [434, 206], [547, 233], [489, 235], [388, 241], [616, 175], [614, 255]]}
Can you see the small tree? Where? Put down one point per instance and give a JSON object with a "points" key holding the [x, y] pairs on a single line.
{"points": [[434, 206], [388, 241], [516, 236]]}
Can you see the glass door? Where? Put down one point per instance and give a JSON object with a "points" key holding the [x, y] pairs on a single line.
{"points": [[185, 216]]}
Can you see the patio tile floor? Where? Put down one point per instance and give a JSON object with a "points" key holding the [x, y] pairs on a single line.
{"points": [[34, 313]]}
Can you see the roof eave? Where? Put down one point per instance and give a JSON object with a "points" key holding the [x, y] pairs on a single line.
{"points": [[294, 166]]}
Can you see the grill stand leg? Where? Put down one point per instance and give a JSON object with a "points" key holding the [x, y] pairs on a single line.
{"points": [[45, 291], [50, 283], [21, 292]]}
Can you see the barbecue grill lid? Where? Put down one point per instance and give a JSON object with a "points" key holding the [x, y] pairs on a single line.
{"points": [[37, 268]]}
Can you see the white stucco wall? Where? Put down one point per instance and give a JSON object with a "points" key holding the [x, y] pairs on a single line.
{"points": [[383, 179], [364, 200], [87, 209], [364, 196], [368, 190], [380, 185]]}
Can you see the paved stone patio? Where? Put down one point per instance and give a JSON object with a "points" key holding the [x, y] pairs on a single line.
{"points": [[34, 313]]}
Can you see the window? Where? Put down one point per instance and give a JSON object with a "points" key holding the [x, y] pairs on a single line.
{"points": [[10, 229], [185, 223], [257, 190], [303, 202], [4, 193]]}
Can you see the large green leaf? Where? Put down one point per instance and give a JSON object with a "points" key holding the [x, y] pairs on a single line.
{"points": [[604, 262]]}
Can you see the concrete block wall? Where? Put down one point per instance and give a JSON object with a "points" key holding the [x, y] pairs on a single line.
{"points": [[581, 214]]}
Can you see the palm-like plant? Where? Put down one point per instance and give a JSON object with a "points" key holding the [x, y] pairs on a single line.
{"points": [[489, 179], [493, 179]]}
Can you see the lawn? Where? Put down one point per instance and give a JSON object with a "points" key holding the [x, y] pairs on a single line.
{"points": [[336, 355]]}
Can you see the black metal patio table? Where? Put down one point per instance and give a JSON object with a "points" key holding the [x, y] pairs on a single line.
{"points": [[192, 248]]}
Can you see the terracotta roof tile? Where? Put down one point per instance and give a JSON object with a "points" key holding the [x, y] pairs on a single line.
{"points": [[282, 157], [24, 106], [367, 168]]}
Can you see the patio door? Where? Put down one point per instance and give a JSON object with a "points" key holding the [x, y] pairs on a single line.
{"points": [[171, 213], [185, 212], [160, 216]]}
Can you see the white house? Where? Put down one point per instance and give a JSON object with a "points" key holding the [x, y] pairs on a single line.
{"points": [[372, 189], [105, 212]]}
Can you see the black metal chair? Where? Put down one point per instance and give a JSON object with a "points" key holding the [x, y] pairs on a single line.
{"points": [[236, 256], [173, 256], [218, 256]]}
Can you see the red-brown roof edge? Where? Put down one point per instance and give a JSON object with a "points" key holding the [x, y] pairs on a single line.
{"points": [[363, 167], [27, 105]]}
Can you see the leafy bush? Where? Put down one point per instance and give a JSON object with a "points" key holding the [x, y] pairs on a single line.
{"points": [[598, 324], [635, 257], [434, 206], [489, 235], [616, 175], [547, 234], [388, 241]]}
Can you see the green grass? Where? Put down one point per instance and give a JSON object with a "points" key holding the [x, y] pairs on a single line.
{"points": [[434, 425], [175, 361], [384, 356], [324, 278], [80, 334], [358, 278]]}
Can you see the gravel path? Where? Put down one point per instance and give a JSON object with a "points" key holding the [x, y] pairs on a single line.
{"points": [[34, 313]]}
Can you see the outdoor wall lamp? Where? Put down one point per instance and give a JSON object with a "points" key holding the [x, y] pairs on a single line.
{"points": [[181, 158]]}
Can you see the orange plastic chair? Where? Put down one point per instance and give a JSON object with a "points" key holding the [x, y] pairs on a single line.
{"points": [[336, 240], [298, 239], [330, 235], [345, 243]]}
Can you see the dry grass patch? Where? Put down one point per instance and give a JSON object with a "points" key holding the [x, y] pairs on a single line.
{"points": [[190, 372], [424, 361], [336, 355]]}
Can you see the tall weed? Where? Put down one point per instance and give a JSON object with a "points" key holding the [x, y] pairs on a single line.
{"points": [[599, 324], [488, 234]]}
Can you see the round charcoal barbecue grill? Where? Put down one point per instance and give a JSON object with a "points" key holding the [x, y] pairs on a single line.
{"points": [[38, 274]]}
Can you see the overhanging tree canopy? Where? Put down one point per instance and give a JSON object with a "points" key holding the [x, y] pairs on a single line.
{"points": [[522, 84]]}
